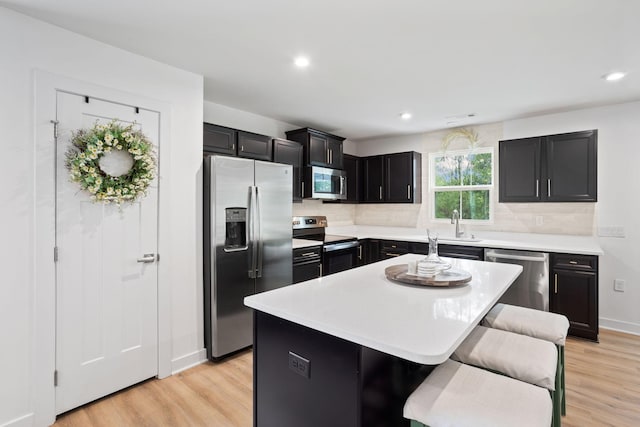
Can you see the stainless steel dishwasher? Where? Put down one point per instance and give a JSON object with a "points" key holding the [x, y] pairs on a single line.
{"points": [[531, 288]]}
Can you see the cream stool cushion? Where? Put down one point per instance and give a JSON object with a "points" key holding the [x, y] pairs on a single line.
{"points": [[527, 321], [460, 395], [521, 357]]}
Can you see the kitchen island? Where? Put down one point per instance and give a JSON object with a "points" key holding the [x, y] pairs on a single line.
{"points": [[346, 349]]}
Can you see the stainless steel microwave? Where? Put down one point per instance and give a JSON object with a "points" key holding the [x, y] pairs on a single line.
{"points": [[327, 184]]}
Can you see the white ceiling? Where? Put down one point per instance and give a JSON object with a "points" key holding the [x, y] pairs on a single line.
{"points": [[373, 59]]}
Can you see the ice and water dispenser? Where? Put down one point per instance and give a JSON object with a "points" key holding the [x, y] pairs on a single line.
{"points": [[235, 229]]}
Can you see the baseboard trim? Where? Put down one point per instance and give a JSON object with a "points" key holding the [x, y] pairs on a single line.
{"points": [[23, 421], [620, 326], [188, 361]]}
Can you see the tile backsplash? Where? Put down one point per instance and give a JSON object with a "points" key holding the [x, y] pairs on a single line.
{"points": [[550, 218]]}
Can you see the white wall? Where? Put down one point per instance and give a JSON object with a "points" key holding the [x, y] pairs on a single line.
{"points": [[618, 198], [25, 45], [230, 117]]}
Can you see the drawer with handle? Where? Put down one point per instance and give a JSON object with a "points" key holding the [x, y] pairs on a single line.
{"points": [[575, 262]]}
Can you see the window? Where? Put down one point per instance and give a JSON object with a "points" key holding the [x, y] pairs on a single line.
{"points": [[462, 180]]}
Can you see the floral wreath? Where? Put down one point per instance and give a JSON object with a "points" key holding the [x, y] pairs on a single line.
{"points": [[113, 162]]}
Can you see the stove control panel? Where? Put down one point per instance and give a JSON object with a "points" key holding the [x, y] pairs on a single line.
{"points": [[309, 222]]}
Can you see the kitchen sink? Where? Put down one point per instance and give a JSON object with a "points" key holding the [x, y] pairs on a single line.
{"points": [[458, 239]]}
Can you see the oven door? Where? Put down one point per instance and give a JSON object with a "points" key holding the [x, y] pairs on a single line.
{"points": [[339, 257]]}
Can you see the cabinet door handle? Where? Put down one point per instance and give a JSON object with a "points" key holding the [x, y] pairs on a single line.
{"points": [[242, 148], [537, 188], [360, 252], [408, 191], [331, 156], [548, 187], [328, 156], [233, 146], [573, 262], [302, 189], [555, 280], [388, 254], [381, 192], [320, 265]]}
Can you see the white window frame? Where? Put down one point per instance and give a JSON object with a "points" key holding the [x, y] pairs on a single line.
{"points": [[433, 188]]}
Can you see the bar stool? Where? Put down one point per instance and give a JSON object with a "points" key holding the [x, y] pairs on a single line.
{"points": [[455, 394], [537, 324], [518, 356]]}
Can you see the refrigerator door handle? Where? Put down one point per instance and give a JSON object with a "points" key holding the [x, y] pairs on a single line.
{"points": [[259, 243], [252, 235]]}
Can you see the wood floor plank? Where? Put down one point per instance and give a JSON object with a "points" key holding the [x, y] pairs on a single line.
{"points": [[603, 389]]}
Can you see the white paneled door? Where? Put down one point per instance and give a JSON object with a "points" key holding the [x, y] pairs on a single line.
{"points": [[106, 304]]}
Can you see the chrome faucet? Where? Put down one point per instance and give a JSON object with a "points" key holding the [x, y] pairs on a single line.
{"points": [[455, 219]]}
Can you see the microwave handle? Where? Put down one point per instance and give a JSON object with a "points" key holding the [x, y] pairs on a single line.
{"points": [[342, 186]]}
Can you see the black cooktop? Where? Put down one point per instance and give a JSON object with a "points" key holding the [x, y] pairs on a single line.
{"points": [[327, 238]]}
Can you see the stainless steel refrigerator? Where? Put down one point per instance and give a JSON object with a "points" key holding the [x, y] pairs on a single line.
{"points": [[247, 244]]}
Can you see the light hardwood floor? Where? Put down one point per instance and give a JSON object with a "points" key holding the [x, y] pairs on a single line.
{"points": [[603, 389]]}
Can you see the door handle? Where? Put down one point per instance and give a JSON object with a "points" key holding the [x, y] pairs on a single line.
{"points": [[548, 187], [259, 242], [537, 188], [302, 189], [147, 258], [253, 255], [556, 283], [408, 191], [380, 192], [360, 252]]}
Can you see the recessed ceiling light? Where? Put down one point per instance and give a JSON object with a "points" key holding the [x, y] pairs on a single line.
{"points": [[405, 116], [301, 62], [612, 77]]}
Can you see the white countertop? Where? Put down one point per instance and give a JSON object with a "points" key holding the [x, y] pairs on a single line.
{"points": [[304, 243], [421, 324], [585, 245]]}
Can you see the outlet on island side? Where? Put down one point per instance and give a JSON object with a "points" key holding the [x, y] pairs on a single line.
{"points": [[618, 285], [539, 220], [299, 365]]}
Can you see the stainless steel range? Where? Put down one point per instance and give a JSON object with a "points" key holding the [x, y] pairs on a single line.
{"points": [[338, 252]]}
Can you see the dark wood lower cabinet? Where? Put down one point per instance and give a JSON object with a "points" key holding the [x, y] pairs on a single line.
{"points": [[370, 250], [574, 292], [303, 377]]}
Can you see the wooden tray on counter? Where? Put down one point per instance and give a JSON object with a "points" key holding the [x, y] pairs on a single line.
{"points": [[451, 277]]}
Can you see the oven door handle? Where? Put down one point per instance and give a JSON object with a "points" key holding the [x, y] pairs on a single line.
{"points": [[340, 246]]}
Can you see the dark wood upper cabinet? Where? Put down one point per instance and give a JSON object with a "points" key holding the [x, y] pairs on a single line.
{"points": [[572, 167], [552, 168], [402, 177], [353, 168], [520, 170], [320, 148], [372, 178], [219, 140], [254, 146], [392, 178], [290, 153]]}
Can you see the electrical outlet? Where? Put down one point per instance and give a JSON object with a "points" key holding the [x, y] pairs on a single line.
{"points": [[539, 220], [618, 285], [614, 231], [299, 365]]}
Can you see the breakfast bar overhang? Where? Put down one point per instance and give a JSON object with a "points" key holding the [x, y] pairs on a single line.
{"points": [[346, 349]]}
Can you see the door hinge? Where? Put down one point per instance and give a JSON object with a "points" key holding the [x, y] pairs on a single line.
{"points": [[55, 254], [55, 378], [55, 128]]}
